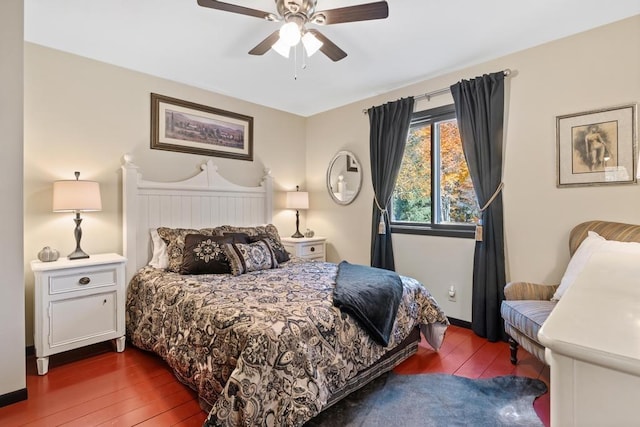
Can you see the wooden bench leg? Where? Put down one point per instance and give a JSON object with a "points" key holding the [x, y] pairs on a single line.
{"points": [[513, 346]]}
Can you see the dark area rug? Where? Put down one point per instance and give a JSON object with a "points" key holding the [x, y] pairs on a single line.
{"points": [[437, 400]]}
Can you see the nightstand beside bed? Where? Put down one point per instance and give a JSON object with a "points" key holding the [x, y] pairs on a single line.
{"points": [[311, 248], [78, 303]]}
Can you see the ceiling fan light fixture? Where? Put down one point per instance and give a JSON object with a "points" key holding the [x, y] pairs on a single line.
{"points": [[319, 19], [290, 34], [282, 48], [296, 14], [293, 6], [311, 43]]}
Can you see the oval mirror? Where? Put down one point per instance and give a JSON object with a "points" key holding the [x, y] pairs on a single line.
{"points": [[344, 177]]}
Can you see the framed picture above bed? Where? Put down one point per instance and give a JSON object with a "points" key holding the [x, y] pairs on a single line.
{"points": [[187, 127], [597, 147]]}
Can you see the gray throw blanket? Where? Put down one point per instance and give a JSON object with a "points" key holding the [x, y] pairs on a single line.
{"points": [[371, 295]]}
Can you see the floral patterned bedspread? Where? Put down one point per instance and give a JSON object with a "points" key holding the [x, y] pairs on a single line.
{"points": [[262, 348]]}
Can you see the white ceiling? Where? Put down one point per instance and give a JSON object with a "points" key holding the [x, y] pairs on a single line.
{"points": [[206, 48]]}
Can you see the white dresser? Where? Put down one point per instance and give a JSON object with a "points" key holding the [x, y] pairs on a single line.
{"points": [[77, 303], [306, 247], [592, 341]]}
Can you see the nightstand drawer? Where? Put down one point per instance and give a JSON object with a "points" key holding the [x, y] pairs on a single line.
{"points": [[312, 250], [106, 276], [78, 319]]}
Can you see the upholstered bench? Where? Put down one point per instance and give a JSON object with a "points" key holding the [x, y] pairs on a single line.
{"points": [[527, 305]]}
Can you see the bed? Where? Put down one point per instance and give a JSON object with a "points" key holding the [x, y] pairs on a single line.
{"points": [[263, 346]]}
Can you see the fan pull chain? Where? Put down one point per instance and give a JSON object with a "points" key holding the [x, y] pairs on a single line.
{"points": [[295, 63], [305, 57], [305, 60]]}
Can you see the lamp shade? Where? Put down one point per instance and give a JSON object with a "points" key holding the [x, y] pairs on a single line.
{"points": [[76, 196], [297, 200], [311, 43], [290, 33], [282, 48]]}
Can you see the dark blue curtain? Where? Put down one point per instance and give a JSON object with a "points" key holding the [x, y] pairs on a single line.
{"points": [[388, 136], [480, 112]]}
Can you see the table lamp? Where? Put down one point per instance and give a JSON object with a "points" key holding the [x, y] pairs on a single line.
{"points": [[76, 196], [297, 200]]}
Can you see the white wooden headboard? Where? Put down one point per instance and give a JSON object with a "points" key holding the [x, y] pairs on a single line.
{"points": [[205, 200]]}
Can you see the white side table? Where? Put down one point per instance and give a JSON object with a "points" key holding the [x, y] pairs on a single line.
{"points": [[78, 303], [311, 248]]}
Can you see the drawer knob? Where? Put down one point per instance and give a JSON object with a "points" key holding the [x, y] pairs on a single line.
{"points": [[84, 280], [313, 249]]}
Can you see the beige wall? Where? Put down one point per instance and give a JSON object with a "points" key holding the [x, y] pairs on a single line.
{"points": [[84, 115], [12, 365], [592, 70]]}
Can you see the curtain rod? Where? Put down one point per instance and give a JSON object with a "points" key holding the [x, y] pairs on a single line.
{"points": [[442, 91]]}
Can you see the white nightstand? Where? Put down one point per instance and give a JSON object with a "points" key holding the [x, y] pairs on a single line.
{"points": [[306, 247], [78, 302]]}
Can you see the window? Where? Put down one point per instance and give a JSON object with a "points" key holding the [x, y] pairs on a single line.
{"points": [[434, 193]]}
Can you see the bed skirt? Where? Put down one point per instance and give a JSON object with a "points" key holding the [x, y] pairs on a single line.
{"points": [[408, 347]]}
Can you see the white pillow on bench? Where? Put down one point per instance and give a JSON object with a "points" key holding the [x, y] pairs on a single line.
{"points": [[591, 244]]}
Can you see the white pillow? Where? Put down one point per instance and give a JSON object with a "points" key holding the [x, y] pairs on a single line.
{"points": [[578, 261], [592, 244], [159, 257], [621, 247]]}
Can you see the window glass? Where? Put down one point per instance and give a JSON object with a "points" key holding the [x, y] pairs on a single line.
{"points": [[434, 189], [412, 194]]}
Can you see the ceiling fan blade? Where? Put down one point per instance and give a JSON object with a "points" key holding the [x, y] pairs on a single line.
{"points": [[361, 12], [328, 47], [227, 7], [264, 46]]}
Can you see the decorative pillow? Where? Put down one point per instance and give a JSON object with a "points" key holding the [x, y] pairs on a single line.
{"points": [[244, 258], [278, 248], [174, 238], [268, 229], [238, 237], [578, 261], [205, 255], [159, 257]]}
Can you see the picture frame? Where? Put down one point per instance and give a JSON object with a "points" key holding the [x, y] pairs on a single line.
{"points": [[187, 127], [597, 147], [352, 164]]}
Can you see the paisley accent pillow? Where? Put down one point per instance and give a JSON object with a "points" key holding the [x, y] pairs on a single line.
{"points": [[205, 255], [174, 238], [278, 248], [244, 258]]}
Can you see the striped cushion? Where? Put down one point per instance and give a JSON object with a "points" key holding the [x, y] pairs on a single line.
{"points": [[527, 316]]}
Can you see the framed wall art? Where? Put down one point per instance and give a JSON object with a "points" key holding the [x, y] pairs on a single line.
{"points": [[597, 147], [187, 127]]}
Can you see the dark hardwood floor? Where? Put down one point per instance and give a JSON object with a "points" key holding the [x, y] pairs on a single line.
{"points": [[96, 386]]}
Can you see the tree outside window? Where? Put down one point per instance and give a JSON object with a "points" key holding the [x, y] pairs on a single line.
{"points": [[443, 202]]}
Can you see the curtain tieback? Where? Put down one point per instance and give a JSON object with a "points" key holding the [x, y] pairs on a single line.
{"points": [[382, 229], [493, 197], [486, 205]]}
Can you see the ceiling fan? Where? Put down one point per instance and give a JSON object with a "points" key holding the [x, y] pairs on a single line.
{"points": [[296, 15]]}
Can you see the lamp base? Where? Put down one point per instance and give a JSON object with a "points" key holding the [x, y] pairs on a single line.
{"points": [[297, 234], [78, 254]]}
